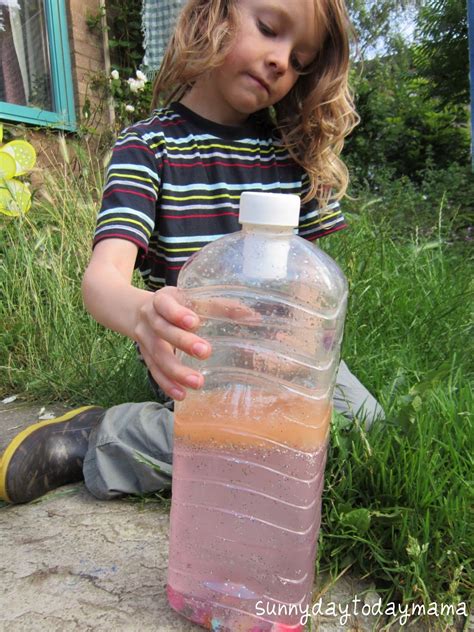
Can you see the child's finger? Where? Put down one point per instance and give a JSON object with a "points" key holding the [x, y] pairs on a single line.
{"points": [[181, 339], [175, 391], [171, 375], [168, 302]]}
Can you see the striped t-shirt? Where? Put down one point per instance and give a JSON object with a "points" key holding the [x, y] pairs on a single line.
{"points": [[174, 183]]}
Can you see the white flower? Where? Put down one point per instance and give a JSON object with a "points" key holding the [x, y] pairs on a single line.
{"points": [[115, 74], [135, 85], [141, 76], [129, 108]]}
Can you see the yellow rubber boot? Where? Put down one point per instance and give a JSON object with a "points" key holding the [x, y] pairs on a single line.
{"points": [[47, 455]]}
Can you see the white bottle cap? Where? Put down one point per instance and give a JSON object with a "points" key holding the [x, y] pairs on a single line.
{"points": [[269, 209]]}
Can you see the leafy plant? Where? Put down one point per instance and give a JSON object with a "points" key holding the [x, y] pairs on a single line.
{"points": [[402, 127], [442, 54], [124, 33], [128, 86], [131, 97]]}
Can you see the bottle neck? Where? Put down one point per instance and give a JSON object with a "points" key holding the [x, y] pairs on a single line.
{"points": [[266, 229], [265, 251]]}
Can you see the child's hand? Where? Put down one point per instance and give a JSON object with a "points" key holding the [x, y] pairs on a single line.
{"points": [[164, 324]]}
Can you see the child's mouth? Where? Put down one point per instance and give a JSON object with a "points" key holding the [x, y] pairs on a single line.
{"points": [[260, 83]]}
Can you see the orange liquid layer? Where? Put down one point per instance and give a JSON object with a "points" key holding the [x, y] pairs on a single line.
{"points": [[243, 416]]}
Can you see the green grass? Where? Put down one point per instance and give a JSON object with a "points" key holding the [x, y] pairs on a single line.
{"points": [[49, 346], [397, 501]]}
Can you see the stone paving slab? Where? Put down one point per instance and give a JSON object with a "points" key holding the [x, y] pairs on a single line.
{"points": [[18, 415], [72, 562]]}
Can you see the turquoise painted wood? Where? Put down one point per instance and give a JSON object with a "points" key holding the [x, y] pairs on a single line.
{"points": [[64, 115]]}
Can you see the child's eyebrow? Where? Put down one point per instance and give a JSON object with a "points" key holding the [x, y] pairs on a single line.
{"points": [[283, 14], [281, 11]]}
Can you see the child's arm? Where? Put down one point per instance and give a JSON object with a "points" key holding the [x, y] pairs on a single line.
{"points": [[156, 320]]}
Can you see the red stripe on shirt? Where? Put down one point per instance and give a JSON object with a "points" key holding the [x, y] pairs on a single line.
{"points": [[114, 190], [120, 148], [224, 164], [327, 232], [140, 244], [200, 215]]}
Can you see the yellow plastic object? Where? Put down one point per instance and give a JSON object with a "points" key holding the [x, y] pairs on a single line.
{"points": [[7, 165], [1, 132], [23, 153], [15, 198]]}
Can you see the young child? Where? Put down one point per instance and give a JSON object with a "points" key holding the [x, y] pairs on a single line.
{"points": [[256, 98]]}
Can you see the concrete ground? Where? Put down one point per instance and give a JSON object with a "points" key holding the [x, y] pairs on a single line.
{"points": [[71, 562]]}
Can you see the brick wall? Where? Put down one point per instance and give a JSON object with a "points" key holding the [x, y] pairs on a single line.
{"points": [[89, 55]]}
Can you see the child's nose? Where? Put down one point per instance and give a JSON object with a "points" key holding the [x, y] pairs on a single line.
{"points": [[279, 58]]}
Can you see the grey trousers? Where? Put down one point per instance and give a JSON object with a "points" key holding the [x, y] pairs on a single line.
{"points": [[131, 450]]}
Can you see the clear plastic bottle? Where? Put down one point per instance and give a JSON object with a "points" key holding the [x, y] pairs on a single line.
{"points": [[250, 446]]}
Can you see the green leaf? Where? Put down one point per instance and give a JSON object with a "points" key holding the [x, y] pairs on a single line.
{"points": [[344, 508], [357, 519]]}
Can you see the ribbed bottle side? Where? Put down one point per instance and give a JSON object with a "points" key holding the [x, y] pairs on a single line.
{"points": [[249, 456], [267, 339]]}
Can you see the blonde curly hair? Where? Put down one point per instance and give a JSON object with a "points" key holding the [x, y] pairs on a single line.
{"points": [[312, 119]]}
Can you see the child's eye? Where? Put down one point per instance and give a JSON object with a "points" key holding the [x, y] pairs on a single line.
{"points": [[297, 65], [265, 29]]}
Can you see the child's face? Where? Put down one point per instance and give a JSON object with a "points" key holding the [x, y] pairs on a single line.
{"points": [[275, 41]]}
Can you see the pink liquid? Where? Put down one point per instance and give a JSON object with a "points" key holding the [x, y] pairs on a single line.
{"points": [[245, 519]]}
